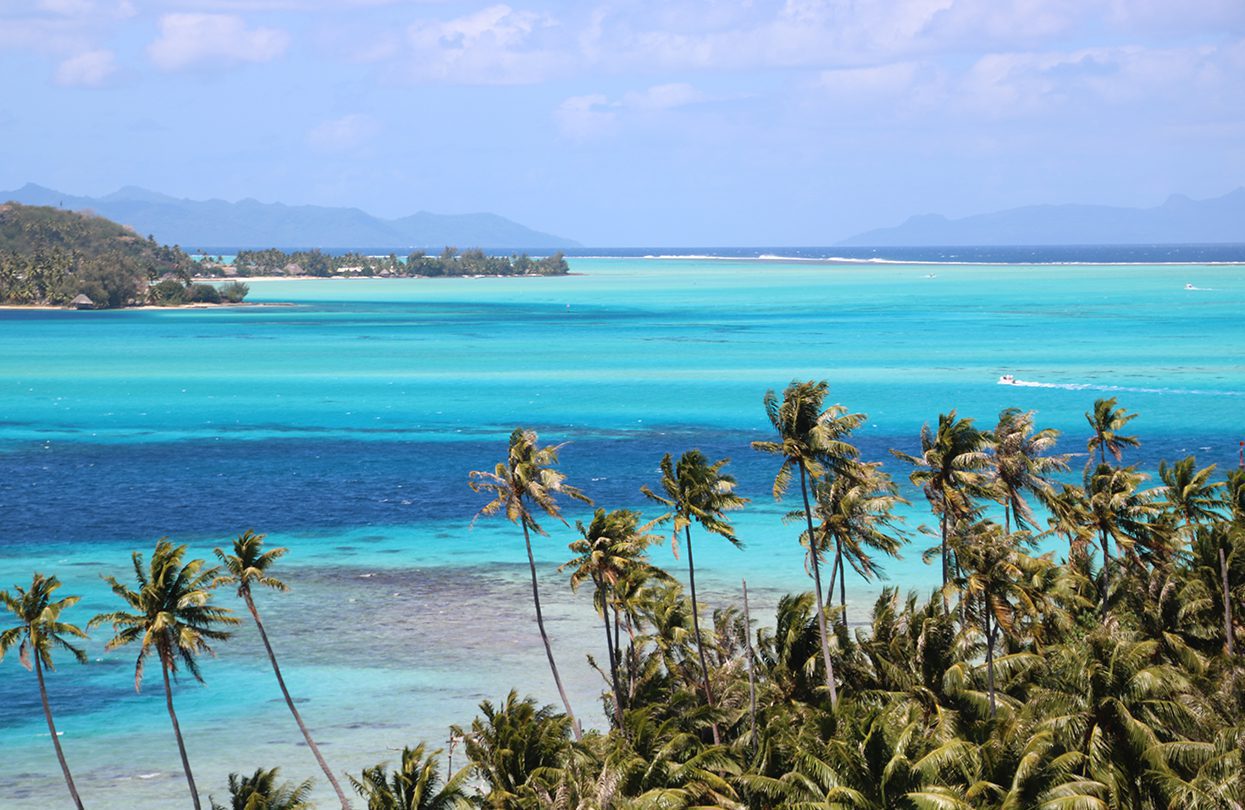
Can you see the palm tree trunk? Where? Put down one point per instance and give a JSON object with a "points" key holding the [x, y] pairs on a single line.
{"points": [[540, 622], [272, 658], [47, 713], [609, 646], [842, 588], [989, 650], [821, 611], [945, 572], [700, 647], [1227, 606], [1106, 572], [752, 681], [177, 731]]}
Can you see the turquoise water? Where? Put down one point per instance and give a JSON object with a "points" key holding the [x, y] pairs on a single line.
{"points": [[344, 427]]}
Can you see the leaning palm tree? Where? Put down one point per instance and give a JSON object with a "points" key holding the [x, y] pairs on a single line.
{"points": [[813, 441], [414, 785], [610, 550], [39, 629], [249, 565], [1020, 464], [261, 791], [527, 479], [696, 491], [1107, 421], [172, 617], [949, 471]]}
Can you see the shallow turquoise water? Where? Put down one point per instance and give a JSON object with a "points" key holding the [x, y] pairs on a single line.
{"points": [[344, 427]]}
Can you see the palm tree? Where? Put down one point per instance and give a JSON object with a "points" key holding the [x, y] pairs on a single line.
{"points": [[1116, 510], [697, 491], [527, 479], [997, 577], [855, 513], [1188, 494], [249, 565], [414, 785], [811, 440], [38, 631], [948, 471], [172, 617], [609, 550], [1020, 464], [260, 791], [1217, 558], [1107, 421], [514, 747]]}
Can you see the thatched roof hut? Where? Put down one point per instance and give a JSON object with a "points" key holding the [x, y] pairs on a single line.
{"points": [[82, 302]]}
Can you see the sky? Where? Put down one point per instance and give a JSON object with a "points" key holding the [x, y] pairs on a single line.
{"points": [[631, 123]]}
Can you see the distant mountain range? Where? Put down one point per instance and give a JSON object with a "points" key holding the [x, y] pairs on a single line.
{"points": [[251, 224], [1179, 220]]}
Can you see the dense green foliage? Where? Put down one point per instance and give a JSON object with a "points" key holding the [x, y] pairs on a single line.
{"points": [[1107, 676], [451, 262], [50, 256]]}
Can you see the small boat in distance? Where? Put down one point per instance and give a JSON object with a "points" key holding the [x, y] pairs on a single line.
{"points": [[1189, 287], [1007, 379]]}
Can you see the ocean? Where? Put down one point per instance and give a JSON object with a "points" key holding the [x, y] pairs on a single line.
{"points": [[344, 425]]}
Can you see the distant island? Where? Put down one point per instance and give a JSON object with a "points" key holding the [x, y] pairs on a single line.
{"points": [[315, 263], [250, 223], [1179, 220], [53, 257], [50, 257]]}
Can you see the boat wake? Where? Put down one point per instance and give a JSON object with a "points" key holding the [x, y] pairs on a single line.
{"points": [[1127, 389]]}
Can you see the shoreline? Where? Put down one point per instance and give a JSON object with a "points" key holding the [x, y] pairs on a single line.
{"points": [[147, 307]]}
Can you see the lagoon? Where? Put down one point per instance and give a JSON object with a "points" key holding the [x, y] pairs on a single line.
{"points": [[344, 428]]}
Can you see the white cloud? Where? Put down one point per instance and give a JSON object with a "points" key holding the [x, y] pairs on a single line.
{"points": [[495, 45], [590, 116], [89, 69], [342, 134], [189, 40]]}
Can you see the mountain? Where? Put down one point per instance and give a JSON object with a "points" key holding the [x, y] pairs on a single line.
{"points": [[1178, 220], [251, 224]]}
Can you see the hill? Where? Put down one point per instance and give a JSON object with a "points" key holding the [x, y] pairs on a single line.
{"points": [[49, 256], [1179, 220], [251, 224]]}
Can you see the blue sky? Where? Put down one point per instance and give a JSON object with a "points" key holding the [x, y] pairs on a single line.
{"points": [[631, 123]]}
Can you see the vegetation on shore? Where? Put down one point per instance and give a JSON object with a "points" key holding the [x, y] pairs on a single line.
{"points": [[50, 257], [1106, 675], [451, 262]]}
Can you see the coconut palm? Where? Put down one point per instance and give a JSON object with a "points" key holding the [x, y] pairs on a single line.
{"points": [[1020, 464], [1188, 495], [527, 480], [515, 748], [812, 440], [260, 791], [997, 576], [249, 565], [414, 785], [696, 491], [39, 630], [855, 514], [1107, 421], [949, 471], [1117, 511], [1217, 559], [172, 617], [610, 548]]}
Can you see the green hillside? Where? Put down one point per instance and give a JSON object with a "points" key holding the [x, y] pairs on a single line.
{"points": [[50, 256]]}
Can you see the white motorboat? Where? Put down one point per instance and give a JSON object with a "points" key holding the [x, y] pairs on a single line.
{"points": [[1007, 379]]}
